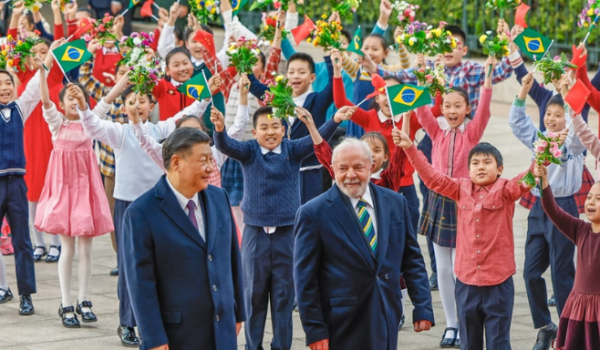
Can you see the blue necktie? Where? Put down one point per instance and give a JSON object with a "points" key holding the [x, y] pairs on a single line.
{"points": [[366, 223]]}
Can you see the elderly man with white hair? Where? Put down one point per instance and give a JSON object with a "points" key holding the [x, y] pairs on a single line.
{"points": [[351, 245]]}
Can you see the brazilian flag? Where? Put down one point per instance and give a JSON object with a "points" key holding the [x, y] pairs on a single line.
{"points": [[133, 3], [405, 97], [356, 43], [237, 6], [532, 43], [196, 88], [71, 55]]}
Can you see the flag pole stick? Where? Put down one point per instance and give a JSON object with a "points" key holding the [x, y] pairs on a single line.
{"points": [[127, 10], [591, 28], [155, 5], [156, 18], [544, 55], [361, 102]]}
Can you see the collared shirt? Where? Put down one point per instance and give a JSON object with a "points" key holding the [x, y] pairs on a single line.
{"points": [[276, 150], [299, 101], [485, 250], [370, 206], [183, 202], [383, 118]]}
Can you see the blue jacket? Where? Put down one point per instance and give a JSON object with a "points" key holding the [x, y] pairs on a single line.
{"points": [[185, 292], [344, 293]]}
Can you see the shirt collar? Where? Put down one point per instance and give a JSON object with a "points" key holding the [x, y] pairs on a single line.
{"points": [[181, 199], [105, 50], [443, 124], [377, 175], [277, 150], [478, 188], [366, 196], [175, 83], [299, 100], [196, 62], [383, 118]]}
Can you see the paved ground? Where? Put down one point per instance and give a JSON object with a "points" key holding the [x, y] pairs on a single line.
{"points": [[44, 329]]}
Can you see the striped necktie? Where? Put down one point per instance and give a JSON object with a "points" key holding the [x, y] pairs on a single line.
{"points": [[366, 223]]}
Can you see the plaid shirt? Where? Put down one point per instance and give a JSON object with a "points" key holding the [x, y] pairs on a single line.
{"points": [[468, 75], [97, 91]]}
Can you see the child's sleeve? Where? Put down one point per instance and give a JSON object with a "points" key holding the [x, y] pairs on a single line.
{"points": [[594, 98], [574, 145], [435, 181], [482, 116], [405, 75], [43, 33], [428, 121], [501, 72], [104, 131], [539, 94], [515, 190], [93, 86], [349, 65], [273, 63], [324, 98], [166, 41], [236, 132], [303, 147], [404, 61], [360, 117], [391, 177], [521, 125], [227, 80], [587, 137], [287, 49], [238, 150], [152, 148], [166, 127], [30, 97], [324, 154], [565, 222], [257, 88], [54, 119]]}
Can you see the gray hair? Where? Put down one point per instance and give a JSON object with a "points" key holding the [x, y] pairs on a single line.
{"points": [[351, 142], [180, 142]]}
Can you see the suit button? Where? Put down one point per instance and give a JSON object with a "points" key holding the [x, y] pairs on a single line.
{"points": [[209, 257], [217, 318], [214, 288], [387, 277], [377, 277]]}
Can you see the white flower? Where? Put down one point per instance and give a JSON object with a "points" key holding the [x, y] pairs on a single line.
{"points": [[233, 52], [255, 51], [137, 41]]}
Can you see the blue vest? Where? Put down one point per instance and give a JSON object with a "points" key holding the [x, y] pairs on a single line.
{"points": [[12, 155]]}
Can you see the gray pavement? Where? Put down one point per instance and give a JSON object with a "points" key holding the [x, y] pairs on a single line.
{"points": [[45, 331]]}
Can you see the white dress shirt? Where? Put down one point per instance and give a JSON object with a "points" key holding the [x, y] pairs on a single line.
{"points": [[299, 101], [183, 202], [276, 150], [370, 206]]}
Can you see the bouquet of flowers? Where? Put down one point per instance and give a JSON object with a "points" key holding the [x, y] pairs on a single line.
{"points": [[3, 56], [243, 54], [204, 10], [345, 7], [34, 5], [496, 46], [102, 30], [17, 51], [553, 69], [279, 97], [327, 35], [589, 13], [547, 152], [278, 4], [267, 31], [434, 79], [404, 13], [414, 37], [439, 40], [144, 70], [502, 5]]}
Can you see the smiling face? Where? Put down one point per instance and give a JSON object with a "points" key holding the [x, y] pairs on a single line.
{"points": [[352, 171], [180, 67], [195, 167], [380, 156], [25, 25], [40, 50], [194, 47], [7, 88], [268, 132], [373, 47], [484, 169], [554, 119], [300, 76], [143, 108], [455, 108], [382, 100], [69, 105], [592, 204], [454, 58]]}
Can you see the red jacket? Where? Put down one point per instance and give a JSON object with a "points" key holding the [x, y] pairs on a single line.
{"points": [[169, 99]]}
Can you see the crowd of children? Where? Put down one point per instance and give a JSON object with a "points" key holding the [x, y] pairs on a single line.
{"points": [[77, 149]]}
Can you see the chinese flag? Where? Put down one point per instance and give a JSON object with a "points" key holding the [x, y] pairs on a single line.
{"points": [[85, 25], [379, 86], [520, 15], [577, 96], [302, 31], [146, 10], [206, 39]]}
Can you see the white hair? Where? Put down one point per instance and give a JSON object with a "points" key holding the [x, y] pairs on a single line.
{"points": [[353, 143]]}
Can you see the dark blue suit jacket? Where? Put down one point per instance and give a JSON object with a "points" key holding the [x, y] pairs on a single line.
{"points": [[185, 292], [317, 103], [345, 294]]}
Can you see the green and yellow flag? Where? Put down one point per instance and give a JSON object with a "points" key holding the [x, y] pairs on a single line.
{"points": [[405, 97], [532, 43], [71, 55], [356, 43], [237, 5], [196, 88], [133, 3]]}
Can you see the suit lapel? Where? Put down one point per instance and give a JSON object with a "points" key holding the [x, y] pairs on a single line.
{"points": [[342, 211], [210, 215], [382, 212], [173, 210]]}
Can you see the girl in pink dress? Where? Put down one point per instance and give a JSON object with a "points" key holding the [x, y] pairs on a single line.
{"points": [[73, 203]]}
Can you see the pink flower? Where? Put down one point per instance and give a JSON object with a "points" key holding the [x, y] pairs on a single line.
{"points": [[553, 145], [407, 13], [401, 18], [557, 153], [277, 4], [540, 149], [106, 19], [101, 28], [134, 35], [552, 134], [87, 37], [542, 143]]}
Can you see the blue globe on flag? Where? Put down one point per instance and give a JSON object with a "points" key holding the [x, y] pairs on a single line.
{"points": [[73, 53], [193, 92], [534, 45], [408, 96]]}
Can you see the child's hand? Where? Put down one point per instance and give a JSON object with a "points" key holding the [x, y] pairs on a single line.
{"points": [[117, 28], [304, 116], [55, 6], [420, 61], [385, 11], [336, 61], [401, 139], [216, 117], [193, 22], [541, 172], [214, 83], [335, 17], [503, 27], [344, 113], [562, 137], [490, 63], [244, 84], [399, 30], [93, 46], [515, 32], [367, 63], [58, 43], [18, 9], [75, 91], [135, 118], [439, 60], [526, 84], [70, 10], [37, 63], [173, 14], [565, 85], [163, 17]]}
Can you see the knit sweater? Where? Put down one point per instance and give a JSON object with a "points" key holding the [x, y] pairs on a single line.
{"points": [[271, 181]]}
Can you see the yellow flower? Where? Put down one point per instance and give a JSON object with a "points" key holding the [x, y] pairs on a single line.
{"points": [[453, 43], [586, 24], [398, 39], [19, 42], [482, 38], [279, 78], [324, 16], [412, 41], [213, 10], [35, 8], [266, 26], [308, 40], [590, 12], [505, 48], [231, 48], [4, 52], [9, 62], [437, 32], [9, 37]]}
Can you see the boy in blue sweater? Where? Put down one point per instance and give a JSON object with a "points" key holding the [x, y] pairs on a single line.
{"points": [[271, 166], [301, 73]]}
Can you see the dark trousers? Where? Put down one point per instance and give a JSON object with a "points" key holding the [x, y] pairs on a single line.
{"points": [[410, 193], [485, 309], [311, 184], [426, 146], [13, 204], [267, 264], [547, 247], [126, 316]]}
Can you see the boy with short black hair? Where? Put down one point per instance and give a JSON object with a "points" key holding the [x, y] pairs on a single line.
{"points": [[271, 166], [485, 257]]}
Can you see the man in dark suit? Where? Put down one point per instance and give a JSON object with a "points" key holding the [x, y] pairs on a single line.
{"points": [[182, 261], [352, 243]]}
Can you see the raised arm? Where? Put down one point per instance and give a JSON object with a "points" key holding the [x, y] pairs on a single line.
{"points": [[241, 151], [482, 116], [93, 86], [104, 131], [520, 124], [149, 144], [303, 147], [587, 137], [164, 128], [166, 41]]}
